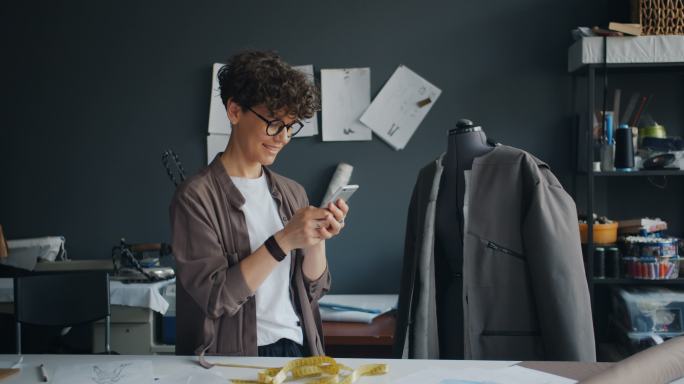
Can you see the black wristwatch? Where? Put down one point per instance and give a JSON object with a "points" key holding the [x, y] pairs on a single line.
{"points": [[274, 249]]}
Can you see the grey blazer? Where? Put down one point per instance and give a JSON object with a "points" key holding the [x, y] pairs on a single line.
{"points": [[524, 285]]}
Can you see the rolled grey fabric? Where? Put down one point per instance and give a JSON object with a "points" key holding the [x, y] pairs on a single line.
{"points": [[340, 178], [663, 363]]}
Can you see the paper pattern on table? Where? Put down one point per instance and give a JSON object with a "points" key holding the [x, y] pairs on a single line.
{"points": [[508, 375], [117, 372]]}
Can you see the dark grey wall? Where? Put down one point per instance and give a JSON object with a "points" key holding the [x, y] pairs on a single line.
{"points": [[95, 91]]}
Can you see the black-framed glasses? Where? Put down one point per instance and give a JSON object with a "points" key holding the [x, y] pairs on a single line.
{"points": [[274, 127]]}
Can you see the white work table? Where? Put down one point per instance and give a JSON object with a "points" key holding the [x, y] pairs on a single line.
{"points": [[168, 369]]}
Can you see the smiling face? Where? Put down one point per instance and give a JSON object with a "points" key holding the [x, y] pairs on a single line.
{"points": [[260, 83], [249, 133]]}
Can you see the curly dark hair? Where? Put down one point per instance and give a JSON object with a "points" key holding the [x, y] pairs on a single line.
{"points": [[262, 77]]}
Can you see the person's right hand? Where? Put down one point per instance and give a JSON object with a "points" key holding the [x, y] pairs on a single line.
{"points": [[302, 230]]}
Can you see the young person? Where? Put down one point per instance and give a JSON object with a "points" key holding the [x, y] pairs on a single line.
{"points": [[249, 249]]}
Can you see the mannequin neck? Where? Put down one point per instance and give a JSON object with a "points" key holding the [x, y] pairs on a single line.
{"points": [[464, 146]]}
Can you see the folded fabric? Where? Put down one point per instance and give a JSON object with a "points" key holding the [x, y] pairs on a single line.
{"points": [[356, 308], [25, 253]]}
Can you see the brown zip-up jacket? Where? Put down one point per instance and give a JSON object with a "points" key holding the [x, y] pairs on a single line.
{"points": [[215, 309]]}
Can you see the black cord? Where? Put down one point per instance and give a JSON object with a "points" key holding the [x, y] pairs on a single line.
{"points": [[178, 165], [661, 186], [125, 251]]}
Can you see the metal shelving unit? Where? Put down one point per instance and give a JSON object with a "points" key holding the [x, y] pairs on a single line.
{"points": [[589, 71]]}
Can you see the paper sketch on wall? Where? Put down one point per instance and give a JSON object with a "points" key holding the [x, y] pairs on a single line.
{"points": [[119, 372], [345, 94], [216, 143], [310, 125], [219, 128], [218, 120], [400, 107]]}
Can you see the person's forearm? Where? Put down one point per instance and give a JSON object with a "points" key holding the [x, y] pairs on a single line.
{"points": [[315, 261], [257, 266]]}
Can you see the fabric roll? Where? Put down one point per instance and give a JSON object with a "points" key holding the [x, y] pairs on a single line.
{"points": [[340, 178]]}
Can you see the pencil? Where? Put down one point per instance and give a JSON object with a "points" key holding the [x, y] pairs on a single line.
{"points": [[43, 373]]}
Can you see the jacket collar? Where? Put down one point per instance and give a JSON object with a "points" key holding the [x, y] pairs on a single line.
{"points": [[233, 194]]}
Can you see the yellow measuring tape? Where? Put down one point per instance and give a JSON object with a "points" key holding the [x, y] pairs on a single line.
{"points": [[323, 370]]}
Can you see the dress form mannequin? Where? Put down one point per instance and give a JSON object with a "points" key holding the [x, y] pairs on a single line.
{"points": [[465, 143]]}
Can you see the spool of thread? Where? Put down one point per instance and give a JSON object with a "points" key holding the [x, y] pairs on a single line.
{"points": [[655, 130], [612, 262], [4, 251], [600, 262], [624, 149]]}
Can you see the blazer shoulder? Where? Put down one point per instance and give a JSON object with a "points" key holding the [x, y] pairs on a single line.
{"points": [[541, 172]]}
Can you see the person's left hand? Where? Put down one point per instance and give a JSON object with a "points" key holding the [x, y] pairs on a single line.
{"points": [[334, 224]]}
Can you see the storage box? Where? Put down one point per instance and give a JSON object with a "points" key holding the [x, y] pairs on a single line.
{"points": [[651, 268], [635, 342], [168, 325], [644, 246], [659, 17], [169, 330], [646, 316], [649, 309], [603, 233]]}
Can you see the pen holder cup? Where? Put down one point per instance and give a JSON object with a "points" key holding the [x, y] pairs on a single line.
{"points": [[603, 233]]}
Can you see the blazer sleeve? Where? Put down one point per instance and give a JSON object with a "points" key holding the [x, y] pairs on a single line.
{"points": [[201, 263], [407, 282], [552, 246]]}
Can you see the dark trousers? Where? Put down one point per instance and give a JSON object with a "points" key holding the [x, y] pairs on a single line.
{"points": [[282, 348]]}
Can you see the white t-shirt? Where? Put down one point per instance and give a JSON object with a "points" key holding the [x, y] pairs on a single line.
{"points": [[276, 317]]}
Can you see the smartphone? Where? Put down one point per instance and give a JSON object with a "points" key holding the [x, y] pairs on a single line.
{"points": [[344, 193]]}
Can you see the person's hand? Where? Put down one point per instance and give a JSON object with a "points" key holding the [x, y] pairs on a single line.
{"points": [[303, 230], [339, 211]]}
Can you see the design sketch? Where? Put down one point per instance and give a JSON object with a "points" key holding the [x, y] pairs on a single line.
{"points": [[105, 372], [345, 94], [400, 107], [310, 125], [102, 376], [218, 119]]}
